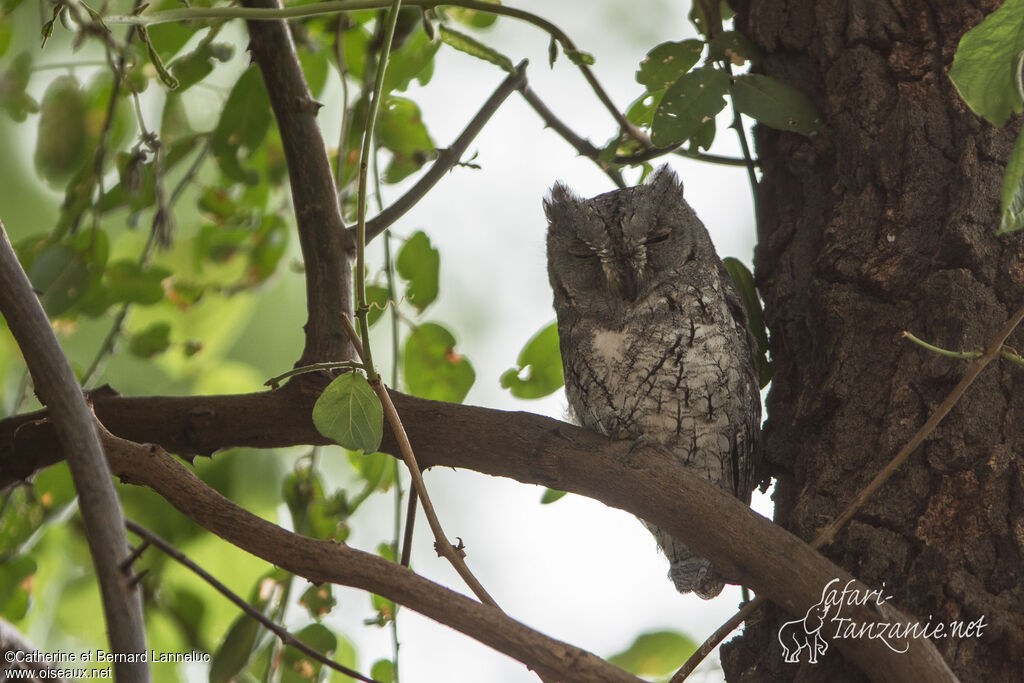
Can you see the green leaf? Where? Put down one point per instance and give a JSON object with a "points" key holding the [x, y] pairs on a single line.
{"points": [[129, 282], [665, 63], [431, 366], [193, 67], [374, 468], [349, 413], [984, 63], [414, 61], [47, 29], [472, 46], [235, 650], [298, 667], [15, 587], [166, 77], [744, 281], [538, 370], [316, 68], [689, 103], [551, 495], [775, 104], [383, 670], [6, 33], [62, 146], [13, 97], [1013, 190], [580, 58], [243, 125], [656, 653], [473, 18], [152, 340], [641, 110], [400, 129], [418, 263], [318, 601], [66, 273], [268, 245]]}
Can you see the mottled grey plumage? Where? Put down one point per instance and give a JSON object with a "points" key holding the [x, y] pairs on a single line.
{"points": [[654, 339]]}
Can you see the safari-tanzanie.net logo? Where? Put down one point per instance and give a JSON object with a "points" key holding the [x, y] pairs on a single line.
{"points": [[826, 622]]}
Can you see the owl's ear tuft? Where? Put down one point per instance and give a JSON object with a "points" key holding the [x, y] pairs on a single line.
{"points": [[665, 181], [561, 200]]}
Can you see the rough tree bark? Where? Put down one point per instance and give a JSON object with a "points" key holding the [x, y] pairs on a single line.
{"points": [[883, 223]]}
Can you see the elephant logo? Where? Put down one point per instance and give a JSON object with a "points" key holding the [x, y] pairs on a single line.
{"points": [[798, 634]]}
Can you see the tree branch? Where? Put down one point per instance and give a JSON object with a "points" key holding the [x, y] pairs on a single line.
{"points": [[531, 449], [320, 561], [327, 246], [73, 422]]}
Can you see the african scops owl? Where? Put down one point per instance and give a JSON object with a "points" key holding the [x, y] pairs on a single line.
{"points": [[654, 339]]}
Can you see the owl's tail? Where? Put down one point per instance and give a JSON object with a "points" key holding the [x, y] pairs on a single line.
{"points": [[688, 571]]}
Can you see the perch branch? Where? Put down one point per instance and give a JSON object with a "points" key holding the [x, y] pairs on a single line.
{"points": [[72, 420], [522, 446]]}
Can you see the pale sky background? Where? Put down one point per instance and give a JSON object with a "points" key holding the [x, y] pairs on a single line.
{"points": [[576, 570]]}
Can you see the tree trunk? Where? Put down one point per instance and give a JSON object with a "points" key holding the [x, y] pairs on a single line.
{"points": [[886, 222]]}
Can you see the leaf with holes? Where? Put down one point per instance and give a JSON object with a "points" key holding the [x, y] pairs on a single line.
{"points": [[665, 63], [689, 103], [349, 413], [538, 370], [418, 263]]}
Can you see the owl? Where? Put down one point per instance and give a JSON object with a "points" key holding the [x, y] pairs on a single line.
{"points": [[654, 339]]}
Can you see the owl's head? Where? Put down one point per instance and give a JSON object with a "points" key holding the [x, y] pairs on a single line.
{"points": [[608, 252]]}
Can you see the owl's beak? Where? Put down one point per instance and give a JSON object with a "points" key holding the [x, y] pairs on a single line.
{"points": [[623, 283]]}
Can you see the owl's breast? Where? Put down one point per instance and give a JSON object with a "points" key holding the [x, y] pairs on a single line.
{"points": [[668, 372]]}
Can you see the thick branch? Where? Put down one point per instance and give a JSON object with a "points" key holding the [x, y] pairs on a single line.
{"points": [[531, 449], [320, 561], [326, 245], [57, 388]]}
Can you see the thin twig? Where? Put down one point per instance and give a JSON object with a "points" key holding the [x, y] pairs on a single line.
{"points": [[828, 533], [720, 634], [364, 168], [583, 146], [275, 382], [283, 634], [447, 158], [443, 546]]}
